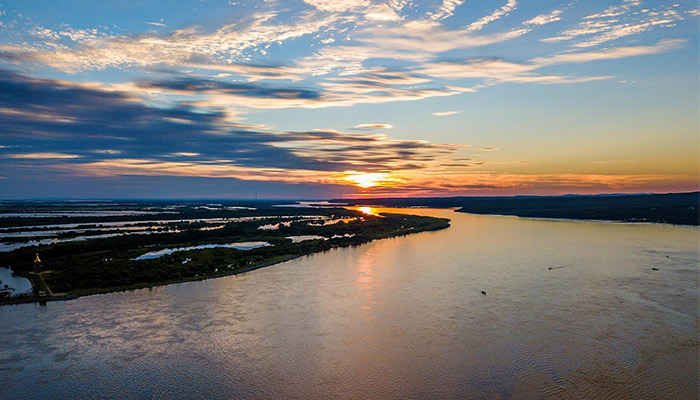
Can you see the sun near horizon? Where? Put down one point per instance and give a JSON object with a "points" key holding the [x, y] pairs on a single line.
{"points": [[370, 179], [310, 98]]}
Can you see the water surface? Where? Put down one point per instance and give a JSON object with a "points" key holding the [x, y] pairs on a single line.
{"points": [[17, 285], [571, 310], [237, 246]]}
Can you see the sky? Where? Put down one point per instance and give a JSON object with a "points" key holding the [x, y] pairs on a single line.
{"points": [[321, 99]]}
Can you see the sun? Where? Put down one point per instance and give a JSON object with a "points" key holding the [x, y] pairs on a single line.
{"points": [[368, 180], [366, 210]]}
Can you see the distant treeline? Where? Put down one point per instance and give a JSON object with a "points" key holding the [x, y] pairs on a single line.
{"points": [[158, 213], [675, 208]]}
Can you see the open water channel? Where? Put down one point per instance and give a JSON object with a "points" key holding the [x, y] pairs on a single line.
{"points": [[571, 310]]}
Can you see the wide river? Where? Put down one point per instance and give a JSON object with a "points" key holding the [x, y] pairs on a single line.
{"points": [[571, 310]]}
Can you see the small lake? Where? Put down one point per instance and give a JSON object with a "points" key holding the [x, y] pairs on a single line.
{"points": [[238, 246], [19, 284], [303, 238], [572, 310]]}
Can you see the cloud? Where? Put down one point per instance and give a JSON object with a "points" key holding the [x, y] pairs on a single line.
{"points": [[220, 74], [384, 78], [381, 12], [199, 85], [374, 126], [494, 71], [112, 133], [615, 11], [178, 110], [496, 15], [41, 156], [376, 12], [446, 10], [67, 32], [107, 151], [376, 88], [445, 113], [422, 39], [338, 5], [614, 53], [495, 183], [617, 22], [544, 19], [185, 154], [133, 134], [191, 46], [349, 60]]}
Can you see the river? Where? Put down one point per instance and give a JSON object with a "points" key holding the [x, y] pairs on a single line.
{"points": [[570, 310]]}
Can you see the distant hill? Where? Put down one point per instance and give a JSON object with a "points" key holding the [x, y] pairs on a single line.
{"points": [[673, 208]]}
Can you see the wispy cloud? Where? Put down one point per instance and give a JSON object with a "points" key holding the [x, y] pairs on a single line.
{"points": [[192, 46], [494, 71], [333, 75], [496, 15], [499, 70], [338, 5], [420, 40], [445, 113], [616, 22], [42, 156], [544, 19], [610, 54], [185, 154], [374, 126], [107, 151], [446, 10]]}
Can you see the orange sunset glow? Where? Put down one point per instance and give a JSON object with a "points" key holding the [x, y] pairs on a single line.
{"points": [[412, 99], [350, 199], [368, 180]]}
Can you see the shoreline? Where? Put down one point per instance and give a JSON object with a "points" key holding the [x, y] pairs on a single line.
{"points": [[572, 219], [666, 208], [73, 296], [272, 261], [567, 219]]}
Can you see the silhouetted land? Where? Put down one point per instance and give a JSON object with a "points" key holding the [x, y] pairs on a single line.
{"points": [[675, 208], [95, 265]]}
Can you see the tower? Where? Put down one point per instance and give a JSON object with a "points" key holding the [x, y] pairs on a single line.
{"points": [[38, 268]]}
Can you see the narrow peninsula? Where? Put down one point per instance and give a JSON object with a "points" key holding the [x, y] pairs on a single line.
{"points": [[67, 252]]}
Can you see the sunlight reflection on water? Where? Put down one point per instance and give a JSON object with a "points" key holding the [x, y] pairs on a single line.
{"points": [[395, 318]]}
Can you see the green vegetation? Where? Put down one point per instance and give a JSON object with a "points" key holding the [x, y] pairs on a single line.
{"points": [[105, 264]]}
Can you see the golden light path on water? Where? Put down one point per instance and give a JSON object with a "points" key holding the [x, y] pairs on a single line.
{"points": [[572, 310], [364, 210]]}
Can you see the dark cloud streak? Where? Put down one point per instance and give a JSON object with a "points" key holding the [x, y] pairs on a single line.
{"points": [[44, 115]]}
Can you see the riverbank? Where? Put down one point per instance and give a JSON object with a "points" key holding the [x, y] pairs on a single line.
{"points": [[75, 295], [671, 208], [106, 265]]}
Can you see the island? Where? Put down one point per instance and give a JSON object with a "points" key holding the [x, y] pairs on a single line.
{"points": [[68, 250]]}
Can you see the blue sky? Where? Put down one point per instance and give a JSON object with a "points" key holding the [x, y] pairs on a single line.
{"points": [[367, 98]]}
